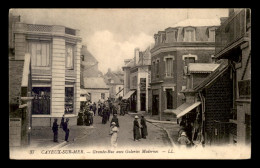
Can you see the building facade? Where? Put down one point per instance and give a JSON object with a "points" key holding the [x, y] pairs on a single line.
{"points": [[233, 42], [115, 82], [137, 75], [55, 61], [189, 41]]}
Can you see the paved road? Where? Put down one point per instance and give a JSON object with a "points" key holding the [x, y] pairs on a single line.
{"points": [[99, 136]]}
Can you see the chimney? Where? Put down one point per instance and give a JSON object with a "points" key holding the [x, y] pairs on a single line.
{"points": [[136, 55]]}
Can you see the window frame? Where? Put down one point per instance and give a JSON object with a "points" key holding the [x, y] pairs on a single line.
{"points": [[66, 56], [166, 65], [49, 47], [73, 100], [192, 37]]}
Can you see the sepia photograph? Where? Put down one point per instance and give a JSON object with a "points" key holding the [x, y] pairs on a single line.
{"points": [[129, 83]]}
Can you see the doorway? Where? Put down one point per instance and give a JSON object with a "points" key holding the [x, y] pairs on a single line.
{"points": [[143, 101], [155, 106]]}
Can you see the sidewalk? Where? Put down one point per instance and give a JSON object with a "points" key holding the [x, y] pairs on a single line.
{"points": [[43, 136], [170, 127]]}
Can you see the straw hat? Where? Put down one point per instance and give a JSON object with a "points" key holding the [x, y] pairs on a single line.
{"points": [[183, 134], [136, 116], [113, 123]]}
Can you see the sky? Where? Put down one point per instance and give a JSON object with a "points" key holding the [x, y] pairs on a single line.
{"points": [[111, 35]]}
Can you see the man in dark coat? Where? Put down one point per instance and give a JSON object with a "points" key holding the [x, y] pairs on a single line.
{"points": [[144, 132], [66, 129], [115, 119], [94, 108], [105, 115], [55, 128], [136, 130], [62, 121]]}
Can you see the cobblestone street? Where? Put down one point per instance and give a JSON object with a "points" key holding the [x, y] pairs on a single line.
{"points": [[99, 135]]}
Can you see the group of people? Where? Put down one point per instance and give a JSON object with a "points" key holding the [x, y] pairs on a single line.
{"points": [[63, 125], [139, 126]]}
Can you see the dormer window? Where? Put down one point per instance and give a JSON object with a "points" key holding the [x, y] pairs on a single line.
{"points": [[189, 34], [211, 34]]}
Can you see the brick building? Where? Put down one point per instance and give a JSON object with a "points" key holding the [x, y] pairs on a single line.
{"points": [[55, 61], [189, 41], [233, 42]]}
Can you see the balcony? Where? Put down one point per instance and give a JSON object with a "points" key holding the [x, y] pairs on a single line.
{"points": [[232, 33]]}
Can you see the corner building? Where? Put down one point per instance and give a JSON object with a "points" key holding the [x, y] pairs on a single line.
{"points": [[189, 41], [55, 60]]}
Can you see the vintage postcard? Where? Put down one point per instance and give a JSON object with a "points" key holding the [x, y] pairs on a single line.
{"points": [[130, 83]]}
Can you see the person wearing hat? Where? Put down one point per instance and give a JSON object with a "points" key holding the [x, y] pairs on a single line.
{"points": [[183, 140], [144, 132], [136, 130], [55, 128], [113, 132], [114, 119], [66, 129]]}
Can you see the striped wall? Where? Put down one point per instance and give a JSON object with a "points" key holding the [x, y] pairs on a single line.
{"points": [[58, 77]]}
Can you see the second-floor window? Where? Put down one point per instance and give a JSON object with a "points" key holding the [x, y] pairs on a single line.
{"points": [[169, 67], [212, 35], [157, 68], [69, 56], [40, 53]]}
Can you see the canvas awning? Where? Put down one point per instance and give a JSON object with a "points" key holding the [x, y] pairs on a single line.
{"points": [[185, 108], [128, 94]]}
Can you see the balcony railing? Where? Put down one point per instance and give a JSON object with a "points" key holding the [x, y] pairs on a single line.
{"points": [[233, 29]]}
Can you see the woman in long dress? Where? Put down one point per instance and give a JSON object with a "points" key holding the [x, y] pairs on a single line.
{"points": [[113, 132], [136, 130], [144, 132]]}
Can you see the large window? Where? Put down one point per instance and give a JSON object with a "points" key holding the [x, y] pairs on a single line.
{"points": [[41, 100], [169, 67], [69, 100], [69, 56], [169, 97], [40, 53]]}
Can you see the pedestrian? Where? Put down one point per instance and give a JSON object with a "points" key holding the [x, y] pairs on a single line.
{"points": [[144, 132], [115, 119], [66, 129], [94, 108], [105, 115], [183, 140], [91, 115], [113, 132], [136, 130], [55, 130], [62, 121]]}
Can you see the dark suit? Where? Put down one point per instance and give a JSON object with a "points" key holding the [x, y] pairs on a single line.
{"points": [[55, 131]]}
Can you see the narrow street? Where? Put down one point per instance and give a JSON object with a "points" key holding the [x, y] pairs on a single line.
{"points": [[99, 136]]}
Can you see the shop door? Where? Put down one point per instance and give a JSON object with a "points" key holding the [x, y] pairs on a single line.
{"points": [[155, 107], [133, 102], [142, 99]]}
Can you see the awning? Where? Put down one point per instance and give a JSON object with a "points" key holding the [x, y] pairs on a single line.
{"points": [[185, 108], [128, 94]]}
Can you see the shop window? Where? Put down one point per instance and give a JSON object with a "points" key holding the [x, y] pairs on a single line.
{"points": [[69, 56], [169, 97], [69, 100], [41, 100], [40, 54], [102, 95]]}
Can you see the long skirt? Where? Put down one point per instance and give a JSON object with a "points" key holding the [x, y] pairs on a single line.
{"points": [[114, 139], [144, 132], [137, 135]]}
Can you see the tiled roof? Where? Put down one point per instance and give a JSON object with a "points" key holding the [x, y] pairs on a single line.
{"points": [[202, 67], [95, 83], [214, 75], [88, 57], [198, 23], [117, 77]]}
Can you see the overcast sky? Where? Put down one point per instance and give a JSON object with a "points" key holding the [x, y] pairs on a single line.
{"points": [[112, 34]]}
